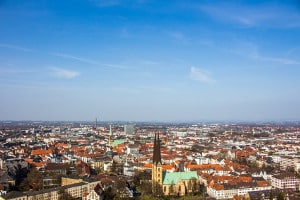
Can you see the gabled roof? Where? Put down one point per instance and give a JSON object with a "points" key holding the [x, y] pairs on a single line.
{"points": [[164, 167], [41, 151], [174, 177], [215, 167]]}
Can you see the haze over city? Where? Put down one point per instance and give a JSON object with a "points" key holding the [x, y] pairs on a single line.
{"points": [[149, 60]]}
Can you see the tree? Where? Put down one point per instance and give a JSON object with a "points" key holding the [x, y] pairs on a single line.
{"points": [[158, 191], [195, 185], [21, 173], [109, 193], [24, 185], [280, 196], [141, 176], [117, 168], [197, 148], [271, 195], [35, 179], [120, 186], [291, 169], [145, 188]]}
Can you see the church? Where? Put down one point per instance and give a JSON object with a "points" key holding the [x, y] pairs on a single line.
{"points": [[170, 183]]}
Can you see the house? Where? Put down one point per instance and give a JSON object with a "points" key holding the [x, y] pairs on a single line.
{"points": [[76, 190], [128, 169], [57, 168], [285, 180], [132, 149], [6, 180], [228, 187], [91, 196]]}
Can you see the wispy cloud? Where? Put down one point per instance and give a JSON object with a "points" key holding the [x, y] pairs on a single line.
{"points": [[13, 70], [124, 33], [141, 88], [201, 75], [177, 35], [14, 47], [268, 15], [156, 89], [251, 50], [284, 61], [149, 62], [64, 73], [88, 61], [85, 60]]}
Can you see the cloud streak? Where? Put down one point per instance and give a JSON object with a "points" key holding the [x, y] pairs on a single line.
{"points": [[14, 47], [64, 73], [251, 50], [85, 60], [88, 61], [200, 75], [269, 15], [284, 61], [177, 35], [10, 70]]}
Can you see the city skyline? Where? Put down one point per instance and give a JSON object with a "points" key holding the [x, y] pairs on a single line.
{"points": [[149, 60]]}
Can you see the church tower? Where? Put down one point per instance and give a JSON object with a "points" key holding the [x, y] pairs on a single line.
{"points": [[157, 174]]}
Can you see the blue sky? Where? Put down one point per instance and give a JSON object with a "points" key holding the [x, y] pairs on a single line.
{"points": [[147, 60]]}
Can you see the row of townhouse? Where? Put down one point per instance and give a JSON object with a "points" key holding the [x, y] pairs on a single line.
{"points": [[217, 169], [229, 190], [77, 190], [223, 187], [285, 180]]}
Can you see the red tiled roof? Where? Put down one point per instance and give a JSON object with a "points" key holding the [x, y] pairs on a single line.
{"points": [[41, 151], [263, 183], [205, 166], [38, 164], [29, 160], [219, 187], [148, 165], [166, 167]]}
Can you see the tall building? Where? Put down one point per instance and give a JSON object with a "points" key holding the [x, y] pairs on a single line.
{"points": [[157, 177], [110, 136], [129, 129]]}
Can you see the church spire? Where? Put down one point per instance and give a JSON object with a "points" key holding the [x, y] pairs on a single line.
{"points": [[156, 150], [157, 173]]}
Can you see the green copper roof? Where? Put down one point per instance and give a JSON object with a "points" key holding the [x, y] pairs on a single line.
{"points": [[116, 142], [170, 178]]}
